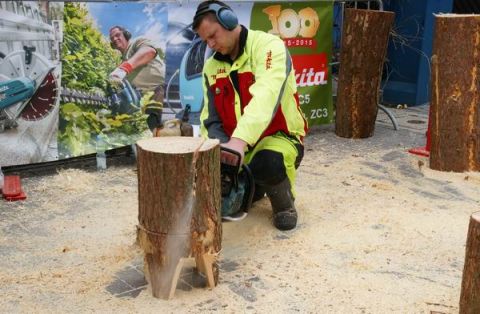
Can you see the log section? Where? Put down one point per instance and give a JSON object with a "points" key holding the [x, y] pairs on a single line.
{"points": [[455, 94], [364, 46], [179, 208], [470, 294]]}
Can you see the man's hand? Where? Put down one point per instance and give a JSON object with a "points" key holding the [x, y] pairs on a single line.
{"points": [[234, 144], [119, 73]]}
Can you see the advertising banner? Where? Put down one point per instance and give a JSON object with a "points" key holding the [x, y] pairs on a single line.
{"points": [[65, 89], [101, 96], [306, 29]]}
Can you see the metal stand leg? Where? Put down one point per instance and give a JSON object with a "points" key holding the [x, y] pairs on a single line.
{"points": [[390, 115]]}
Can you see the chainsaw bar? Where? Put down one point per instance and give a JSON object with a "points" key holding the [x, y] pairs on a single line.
{"points": [[77, 96], [43, 100]]}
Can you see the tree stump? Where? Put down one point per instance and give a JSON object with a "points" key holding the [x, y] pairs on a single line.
{"points": [[179, 195], [364, 46], [470, 294], [455, 114]]}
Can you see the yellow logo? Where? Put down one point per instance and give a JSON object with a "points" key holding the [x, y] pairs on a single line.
{"points": [[288, 24]]}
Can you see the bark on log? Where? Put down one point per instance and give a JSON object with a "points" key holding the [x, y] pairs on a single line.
{"points": [[470, 294], [179, 207], [455, 113], [364, 46]]}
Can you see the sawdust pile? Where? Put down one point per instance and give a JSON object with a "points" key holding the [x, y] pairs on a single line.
{"points": [[379, 232], [82, 232]]}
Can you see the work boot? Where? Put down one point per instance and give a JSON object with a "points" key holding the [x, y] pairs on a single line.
{"points": [[154, 119], [281, 198]]}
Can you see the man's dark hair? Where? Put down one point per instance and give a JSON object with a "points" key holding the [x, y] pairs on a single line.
{"points": [[125, 32], [200, 14]]}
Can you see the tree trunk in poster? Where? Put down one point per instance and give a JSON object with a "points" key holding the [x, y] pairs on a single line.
{"points": [[364, 46], [470, 293], [179, 208], [455, 113]]}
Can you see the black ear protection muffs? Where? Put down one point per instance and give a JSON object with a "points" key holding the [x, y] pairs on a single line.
{"points": [[125, 32], [225, 16]]}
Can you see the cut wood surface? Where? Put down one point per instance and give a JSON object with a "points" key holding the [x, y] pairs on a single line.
{"points": [[364, 46], [179, 206], [455, 113], [470, 293]]}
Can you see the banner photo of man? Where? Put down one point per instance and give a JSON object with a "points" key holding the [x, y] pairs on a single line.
{"points": [[306, 29], [30, 70], [113, 74]]}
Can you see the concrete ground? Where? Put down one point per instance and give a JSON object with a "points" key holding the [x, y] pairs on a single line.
{"points": [[379, 232]]}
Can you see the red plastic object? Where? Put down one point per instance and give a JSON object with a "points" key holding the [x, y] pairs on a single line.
{"points": [[11, 186], [421, 151], [424, 150], [18, 197]]}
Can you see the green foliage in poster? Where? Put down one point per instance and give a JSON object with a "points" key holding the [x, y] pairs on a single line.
{"points": [[87, 56], [81, 124]]}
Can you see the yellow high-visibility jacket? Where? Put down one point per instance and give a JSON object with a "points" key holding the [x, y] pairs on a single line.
{"points": [[253, 97]]}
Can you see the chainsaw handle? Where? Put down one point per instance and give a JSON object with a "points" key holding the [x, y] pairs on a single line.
{"points": [[230, 172], [233, 152]]}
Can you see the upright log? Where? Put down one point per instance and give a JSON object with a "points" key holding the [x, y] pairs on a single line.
{"points": [[179, 208], [455, 113], [364, 46], [470, 294]]}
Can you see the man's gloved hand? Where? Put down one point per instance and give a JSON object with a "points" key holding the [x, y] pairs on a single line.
{"points": [[233, 144], [119, 73]]}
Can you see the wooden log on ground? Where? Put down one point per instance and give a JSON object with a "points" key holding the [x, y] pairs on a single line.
{"points": [[179, 208], [470, 293], [364, 46], [455, 94]]}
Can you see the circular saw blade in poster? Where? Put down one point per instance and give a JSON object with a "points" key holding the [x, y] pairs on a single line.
{"points": [[30, 69]]}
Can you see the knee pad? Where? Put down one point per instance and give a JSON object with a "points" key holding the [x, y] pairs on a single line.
{"points": [[268, 167]]}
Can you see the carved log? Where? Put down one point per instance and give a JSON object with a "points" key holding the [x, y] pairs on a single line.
{"points": [[470, 293], [179, 208], [364, 46], [455, 114]]}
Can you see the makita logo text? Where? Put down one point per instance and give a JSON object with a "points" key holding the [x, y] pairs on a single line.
{"points": [[310, 77], [310, 70]]}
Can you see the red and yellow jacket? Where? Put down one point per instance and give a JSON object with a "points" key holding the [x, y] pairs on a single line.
{"points": [[255, 95]]}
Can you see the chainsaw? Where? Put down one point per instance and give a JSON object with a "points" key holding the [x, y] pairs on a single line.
{"points": [[238, 188], [123, 98], [28, 87]]}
